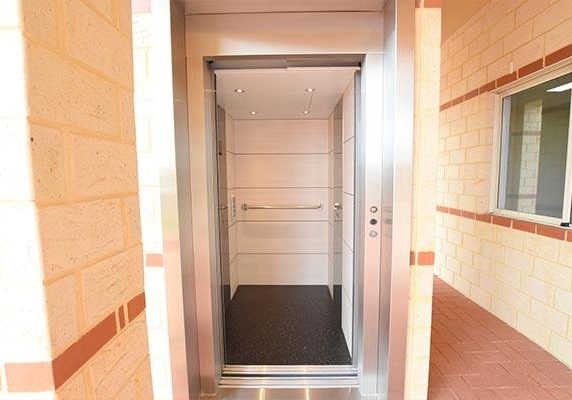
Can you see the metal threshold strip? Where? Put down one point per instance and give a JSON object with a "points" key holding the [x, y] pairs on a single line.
{"points": [[284, 382], [288, 376], [290, 370]]}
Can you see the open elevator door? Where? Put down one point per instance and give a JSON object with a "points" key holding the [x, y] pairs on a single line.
{"points": [[336, 205]]}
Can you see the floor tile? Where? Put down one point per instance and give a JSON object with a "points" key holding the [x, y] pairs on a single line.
{"points": [[475, 355]]}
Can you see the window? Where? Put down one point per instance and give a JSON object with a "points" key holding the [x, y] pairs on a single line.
{"points": [[535, 168]]}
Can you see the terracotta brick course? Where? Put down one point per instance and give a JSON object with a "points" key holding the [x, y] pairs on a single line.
{"points": [[554, 232], [43, 376], [535, 66]]}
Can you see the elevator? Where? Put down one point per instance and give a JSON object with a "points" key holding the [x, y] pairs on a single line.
{"points": [[285, 150], [299, 160]]}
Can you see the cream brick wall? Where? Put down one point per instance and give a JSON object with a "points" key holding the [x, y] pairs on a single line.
{"points": [[70, 247], [523, 278], [427, 64]]}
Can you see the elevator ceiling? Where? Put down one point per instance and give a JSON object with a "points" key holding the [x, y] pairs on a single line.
{"points": [[283, 93], [265, 6]]}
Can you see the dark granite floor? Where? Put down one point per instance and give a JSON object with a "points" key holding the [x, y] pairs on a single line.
{"points": [[285, 325]]}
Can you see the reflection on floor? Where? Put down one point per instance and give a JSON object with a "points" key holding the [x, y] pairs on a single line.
{"points": [[285, 325], [474, 355]]}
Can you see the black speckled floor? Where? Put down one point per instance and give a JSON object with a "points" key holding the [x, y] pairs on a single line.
{"points": [[285, 325]]}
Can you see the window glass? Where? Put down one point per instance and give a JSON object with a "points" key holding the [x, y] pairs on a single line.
{"points": [[534, 144]]}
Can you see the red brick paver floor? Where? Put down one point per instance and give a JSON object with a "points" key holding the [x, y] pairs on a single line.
{"points": [[475, 356]]}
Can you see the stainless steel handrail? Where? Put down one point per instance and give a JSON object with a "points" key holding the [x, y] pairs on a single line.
{"points": [[247, 207]]}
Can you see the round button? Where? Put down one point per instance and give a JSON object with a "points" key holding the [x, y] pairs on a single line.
{"points": [[373, 221], [372, 233], [373, 209]]}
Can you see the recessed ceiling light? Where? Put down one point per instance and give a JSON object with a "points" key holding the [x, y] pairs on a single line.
{"points": [[239, 90], [253, 113], [310, 90], [306, 112]]}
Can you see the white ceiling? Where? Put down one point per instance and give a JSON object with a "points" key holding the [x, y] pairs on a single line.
{"points": [[281, 93], [260, 6]]}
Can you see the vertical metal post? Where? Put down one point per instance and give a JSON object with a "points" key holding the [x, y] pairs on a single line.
{"points": [[174, 165], [397, 165]]}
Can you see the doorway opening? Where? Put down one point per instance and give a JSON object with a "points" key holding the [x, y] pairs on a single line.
{"points": [[285, 155]]}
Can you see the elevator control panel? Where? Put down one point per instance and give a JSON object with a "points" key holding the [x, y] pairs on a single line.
{"points": [[373, 221]]}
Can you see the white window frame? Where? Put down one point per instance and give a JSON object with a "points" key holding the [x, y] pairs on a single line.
{"points": [[520, 85]]}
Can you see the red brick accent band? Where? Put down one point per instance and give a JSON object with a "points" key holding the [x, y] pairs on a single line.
{"points": [[153, 260], [135, 306], [554, 232], [534, 66], [422, 258], [45, 376], [75, 356], [428, 3], [122, 319]]}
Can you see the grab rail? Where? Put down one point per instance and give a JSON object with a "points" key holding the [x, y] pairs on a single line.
{"points": [[247, 207]]}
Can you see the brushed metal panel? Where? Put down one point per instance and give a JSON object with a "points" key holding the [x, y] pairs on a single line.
{"points": [[397, 181], [174, 165]]}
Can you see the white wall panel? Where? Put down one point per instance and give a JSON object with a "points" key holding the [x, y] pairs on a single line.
{"points": [[230, 126], [232, 241], [338, 178], [281, 170], [283, 269], [347, 320], [331, 249], [234, 278], [282, 136], [348, 272], [348, 220], [331, 277], [230, 170], [282, 237], [348, 166], [338, 271], [338, 135], [348, 119]]}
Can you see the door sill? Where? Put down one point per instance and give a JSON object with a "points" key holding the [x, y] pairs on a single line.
{"points": [[289, 382], [289, 371]]}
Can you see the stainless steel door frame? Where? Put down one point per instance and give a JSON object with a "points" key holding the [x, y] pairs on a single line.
{"points": [[214, 236], [374, 344], [397, 186], [176, 222], [367, 266], [368, 205], [368, 309]]}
